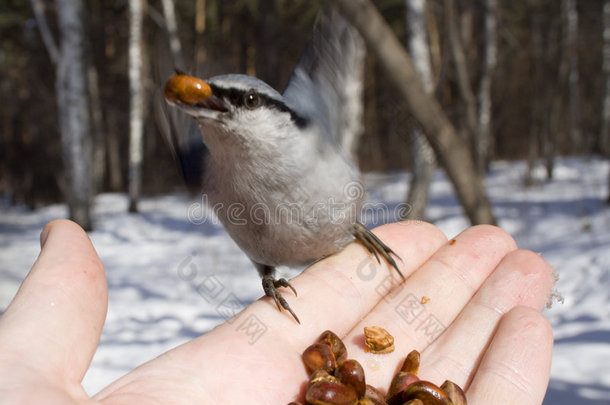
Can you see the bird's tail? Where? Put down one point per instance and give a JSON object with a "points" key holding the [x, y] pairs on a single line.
{"points": [[182, 135], [178, 129]]}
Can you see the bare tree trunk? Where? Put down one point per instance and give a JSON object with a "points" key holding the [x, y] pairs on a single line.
{"points": [[452, 153], [97, 121], [175, 46], [424, 161], [604, 138], [73, 105], [136, 91], [536, 109], [461, 66], [555, 136], [115, 175], [571, 44], [484, 139], [45, 32]]}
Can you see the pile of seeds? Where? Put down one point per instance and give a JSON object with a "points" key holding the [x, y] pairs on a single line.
{"points": [[336, 380]]}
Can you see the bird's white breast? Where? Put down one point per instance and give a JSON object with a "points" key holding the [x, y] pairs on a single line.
{"points": [[287, 202]]}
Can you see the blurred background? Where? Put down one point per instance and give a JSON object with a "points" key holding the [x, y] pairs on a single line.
{"points": [[548, 80], [524, 84]]}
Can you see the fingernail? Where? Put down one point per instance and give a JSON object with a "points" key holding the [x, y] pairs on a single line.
{"points": [[44, 235]]}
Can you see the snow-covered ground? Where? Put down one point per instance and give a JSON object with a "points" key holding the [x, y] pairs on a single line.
{"points": [[159, 264]]}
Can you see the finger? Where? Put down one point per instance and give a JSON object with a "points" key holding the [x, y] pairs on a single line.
{"points": [[448, 280], [54, 322], [523, 278], [516, 367]]}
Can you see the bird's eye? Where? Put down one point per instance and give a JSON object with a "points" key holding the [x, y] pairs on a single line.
{"points": [[252, 100]]}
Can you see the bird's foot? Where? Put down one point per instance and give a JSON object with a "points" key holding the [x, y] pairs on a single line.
{"points": [[271, 285], [375, 246]]}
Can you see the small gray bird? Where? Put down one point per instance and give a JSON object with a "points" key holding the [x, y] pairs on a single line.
{"points": [[272, 165]]}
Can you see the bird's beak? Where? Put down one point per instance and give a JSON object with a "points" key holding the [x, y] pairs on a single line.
{"points": [[193, 95]]}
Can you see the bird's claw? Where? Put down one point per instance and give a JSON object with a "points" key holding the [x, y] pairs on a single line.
{"points": [[271, 285], [375, 246]]}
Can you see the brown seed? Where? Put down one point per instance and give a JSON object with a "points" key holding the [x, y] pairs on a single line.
{"points": [[378, 340], [187, 89], [335, 343], [411, 363], [424, 299], [429, 393], [322, 375], [327, 393], [454, 392], [401, 381], [351, 373], [319, 356], [373, 396]]}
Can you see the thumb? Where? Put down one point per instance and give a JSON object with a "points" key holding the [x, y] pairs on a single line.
{"points": [[53, 324]]}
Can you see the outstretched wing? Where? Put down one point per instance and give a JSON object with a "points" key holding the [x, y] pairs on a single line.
{"points": [[327, 82]]}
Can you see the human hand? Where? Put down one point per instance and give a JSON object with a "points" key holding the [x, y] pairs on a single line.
{"points": [[481, 327]]}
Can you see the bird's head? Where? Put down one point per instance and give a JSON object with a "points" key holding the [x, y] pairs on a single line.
{"points": [[234, 108]]}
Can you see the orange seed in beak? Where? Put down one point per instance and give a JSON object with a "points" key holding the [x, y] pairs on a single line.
{"points": [[187, 89]]}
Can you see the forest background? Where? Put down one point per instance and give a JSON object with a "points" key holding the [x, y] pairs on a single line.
{"points": [[547, 80]]}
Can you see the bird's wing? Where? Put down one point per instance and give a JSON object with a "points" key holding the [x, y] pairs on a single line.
{"points": [[327, 82]]}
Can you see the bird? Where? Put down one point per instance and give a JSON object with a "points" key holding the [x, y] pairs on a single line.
{"points": [[272, 164]]}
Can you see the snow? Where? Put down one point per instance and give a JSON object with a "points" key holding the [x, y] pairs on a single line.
{"points": [[173, 273]]}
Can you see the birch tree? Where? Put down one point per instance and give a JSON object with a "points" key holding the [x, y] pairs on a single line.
{"points": [[423, 159], [483, 135], [72, 103], [136, 111], [175, 46]]}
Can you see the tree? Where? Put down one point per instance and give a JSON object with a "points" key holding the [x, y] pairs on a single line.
{"points": [[423, 159], [571, 48], [136, 92], [461, 66], [536, 108], [72, 103], [605, 127], [175, 46], [452, 152], [483, 135]]}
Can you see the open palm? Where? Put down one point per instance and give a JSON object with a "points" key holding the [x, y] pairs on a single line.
{"points": [[471, 306]]}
